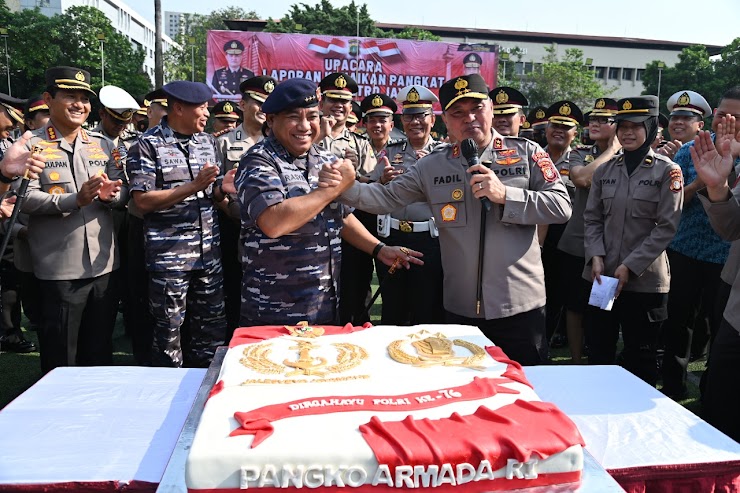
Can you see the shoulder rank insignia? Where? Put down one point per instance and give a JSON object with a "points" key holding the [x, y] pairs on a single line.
{"points": [[455, 150]]}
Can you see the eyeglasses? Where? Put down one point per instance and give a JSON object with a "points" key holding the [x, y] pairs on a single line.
{"points": [[601, 120], [416, 116]]}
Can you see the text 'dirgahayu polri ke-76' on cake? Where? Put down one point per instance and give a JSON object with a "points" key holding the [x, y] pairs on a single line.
{"points": [[433, 408]]}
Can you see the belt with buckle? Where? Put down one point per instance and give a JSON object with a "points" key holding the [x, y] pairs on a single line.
{"points": [[410, 226]]}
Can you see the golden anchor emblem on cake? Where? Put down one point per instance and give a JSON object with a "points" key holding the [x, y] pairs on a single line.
{"points": [[437, 350], [257, 356], [306, 364]]}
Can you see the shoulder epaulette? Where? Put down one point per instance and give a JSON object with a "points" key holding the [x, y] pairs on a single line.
{"points": [[222, 132], [394, 142], [441, 147]]}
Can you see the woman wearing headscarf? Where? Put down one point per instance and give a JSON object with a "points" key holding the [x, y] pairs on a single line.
{"points": [[632, 213]]}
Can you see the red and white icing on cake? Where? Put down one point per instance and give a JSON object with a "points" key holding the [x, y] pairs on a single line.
{"points": [[337, 412]]}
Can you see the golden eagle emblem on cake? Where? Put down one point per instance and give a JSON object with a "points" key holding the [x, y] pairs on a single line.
{"points": [[437, 350]]}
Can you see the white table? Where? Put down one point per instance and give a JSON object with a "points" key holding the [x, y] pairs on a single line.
{"points": [[116, 427]]}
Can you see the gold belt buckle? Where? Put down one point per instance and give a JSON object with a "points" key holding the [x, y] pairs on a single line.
{"points": [[405, 227]]}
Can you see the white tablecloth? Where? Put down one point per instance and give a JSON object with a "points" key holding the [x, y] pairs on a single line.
{"points": [[119, 425], [109, 424], [627, 423]]}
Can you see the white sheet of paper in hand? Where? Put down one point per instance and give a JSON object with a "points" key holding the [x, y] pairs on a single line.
{"points": [[602, 295]]}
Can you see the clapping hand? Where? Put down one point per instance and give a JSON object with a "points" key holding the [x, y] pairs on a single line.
{"points": [[713, 164]]}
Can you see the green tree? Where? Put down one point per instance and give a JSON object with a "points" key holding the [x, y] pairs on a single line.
{"points": [[37, 42], [554, 79], [695, 71], [178, 62], [414, 33], [30, 54], [324, 18]]}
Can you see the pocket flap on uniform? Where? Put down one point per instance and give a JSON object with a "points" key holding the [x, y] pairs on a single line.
{"points": [[651, 194]]}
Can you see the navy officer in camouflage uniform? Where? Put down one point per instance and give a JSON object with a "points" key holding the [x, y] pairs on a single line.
{"points": [[292, 230], [174, 170], [492, 267]]}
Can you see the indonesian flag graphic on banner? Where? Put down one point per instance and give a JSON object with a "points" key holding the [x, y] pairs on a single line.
{"points": [[322, 46], [382, 49]]}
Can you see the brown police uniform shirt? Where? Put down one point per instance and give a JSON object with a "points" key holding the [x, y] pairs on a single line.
{"points": [[571, 241], [361, 146], [401, 154], [513, 279], [234, 144], [725, 219], [68, 242], [631, 219]]}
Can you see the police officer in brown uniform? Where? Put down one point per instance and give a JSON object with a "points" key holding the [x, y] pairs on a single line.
{"points": [[721, 200], [507, 300], [508, 115], [584, 161], [225, 117], [233, 144], [538, 120], [563, 118], [71, 230], [632, 213], [337, 90], [237, 141], [411, 296]]}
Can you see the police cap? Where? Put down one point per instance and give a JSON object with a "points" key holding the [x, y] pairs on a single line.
{"points": [[13, 106], [225, 110], [292, 93], [472, 60], [33, 105], [688, 103], [156, 96], [355, 113], [64, 77], [537, 116], [507, 100], [234, 47], [188, 92], [378, 103], [416, 99], [118, 103], [604, 107], [465, 86], [258, 87], [338, 86], [564, 113], [637, 109]]}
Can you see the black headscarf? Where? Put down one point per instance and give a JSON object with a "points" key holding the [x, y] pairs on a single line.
{"points": [[633, 158]]}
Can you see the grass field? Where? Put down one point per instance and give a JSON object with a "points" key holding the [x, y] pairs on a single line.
{"points": [[19, 371]]}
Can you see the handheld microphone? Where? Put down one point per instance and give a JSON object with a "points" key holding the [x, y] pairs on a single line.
{"points": [[470, 152]]}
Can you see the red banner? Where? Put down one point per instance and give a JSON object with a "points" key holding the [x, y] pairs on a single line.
{"points": [[378, 65]]}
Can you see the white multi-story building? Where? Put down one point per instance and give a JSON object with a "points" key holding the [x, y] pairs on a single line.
{"points": [[123, 18], [173, 23]]}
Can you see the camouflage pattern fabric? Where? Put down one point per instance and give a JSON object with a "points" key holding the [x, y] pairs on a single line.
{"points": [[185, 236], [294, 277], [202, 292]]}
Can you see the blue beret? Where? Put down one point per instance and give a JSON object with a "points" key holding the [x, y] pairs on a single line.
{"points": [[293, 93], [188, 92]]}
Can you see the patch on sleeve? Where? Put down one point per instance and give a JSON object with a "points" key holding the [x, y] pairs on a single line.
{"points": [[549, 171], [676, 180]]}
